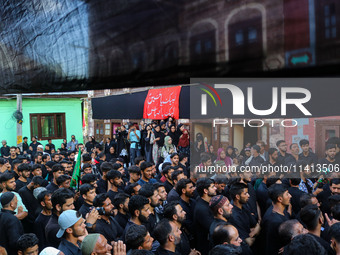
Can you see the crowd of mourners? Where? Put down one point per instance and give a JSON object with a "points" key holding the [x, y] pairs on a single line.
{"points": [[138, 194]]}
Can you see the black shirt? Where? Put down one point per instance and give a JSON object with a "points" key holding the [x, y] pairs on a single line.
{"points": [[168, 186], [32, 205], [85, 209], [282, 159], [112, 231], [112, 194], [122, 219], [270, 224], [203, 217], [51, 231], [189, 217], [69, 248], [39, 230], [5, 151], [295, 200], [11, 230], [243, 221], [173, 196], [310, 158], [324, 244], [161, 251], [102, 186], [52, 187], [20, 184]]}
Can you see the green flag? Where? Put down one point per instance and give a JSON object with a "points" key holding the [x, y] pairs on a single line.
{"points": [[76, 171]]}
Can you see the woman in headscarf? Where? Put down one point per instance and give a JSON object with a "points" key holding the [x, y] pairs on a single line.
{"points": [[169, 123], [157, 140], [221, 156], [163, 128], [198, 149], [168, 147], [111, 154], [174, 135]]}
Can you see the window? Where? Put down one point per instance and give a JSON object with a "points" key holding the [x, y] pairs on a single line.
{"points": [[330, 21], [203, 48], [48, 125]]}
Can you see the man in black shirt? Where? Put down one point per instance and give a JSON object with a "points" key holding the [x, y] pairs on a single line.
{"points": [[88, 192], [294, 157], [121, 203], [44, 199], [71, 227], [175, 213], [241, 217], [139, 208], [24, 174], [149, 191], [313, 219], [107, 225], [282, 155], [329, 161], [332, 189], [4, 149], [57, 171], [274, 217], [114, 178], [11, 228], [102, 182], [175, 177], [203, 216], [168, 184], [28, 244], [296, 194], [32, 205], [25, 144], [186, 190], [168, 234], [256, 160], [34, 144], [13, 154], [306, 153]]}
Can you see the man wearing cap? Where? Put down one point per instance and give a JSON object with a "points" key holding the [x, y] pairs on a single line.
{"points": [[11, 228], [7, 182], [222, 210], [72, 226], [96, 244]]}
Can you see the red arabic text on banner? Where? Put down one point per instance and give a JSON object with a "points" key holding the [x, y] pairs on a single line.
{"points": [[162, 103]]}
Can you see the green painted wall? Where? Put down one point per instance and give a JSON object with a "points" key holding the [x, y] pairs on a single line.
{"points": [[70, 106]]}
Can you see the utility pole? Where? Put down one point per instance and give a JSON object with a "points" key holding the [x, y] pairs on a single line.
{"points": [[19, 123]]}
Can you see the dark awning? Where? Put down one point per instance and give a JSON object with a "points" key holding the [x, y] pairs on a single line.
{"points": [[130, 106]]}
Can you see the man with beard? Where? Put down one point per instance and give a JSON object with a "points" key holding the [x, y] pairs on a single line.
{"points": [[252, 204], [146, 170], [72, 226], [273, 157], [274, 217], [7, 182], [282, 155], [150, 192], [163, 197], [44, 199], [241, 217], [176, 176], [222, 210], [186, 190], [168, 234], [107, 225], [114, 178], [323, 197], [306, 153], [175, 213], [138, 238], [329, 161], [203, 216], [121, 202], [139, 208]]}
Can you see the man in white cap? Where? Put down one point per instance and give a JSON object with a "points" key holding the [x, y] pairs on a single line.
{"points": [[72, 226], [51, 251]]}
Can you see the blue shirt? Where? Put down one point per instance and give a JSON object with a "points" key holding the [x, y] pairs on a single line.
{"points": [[133, 139], [141, 182]]}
